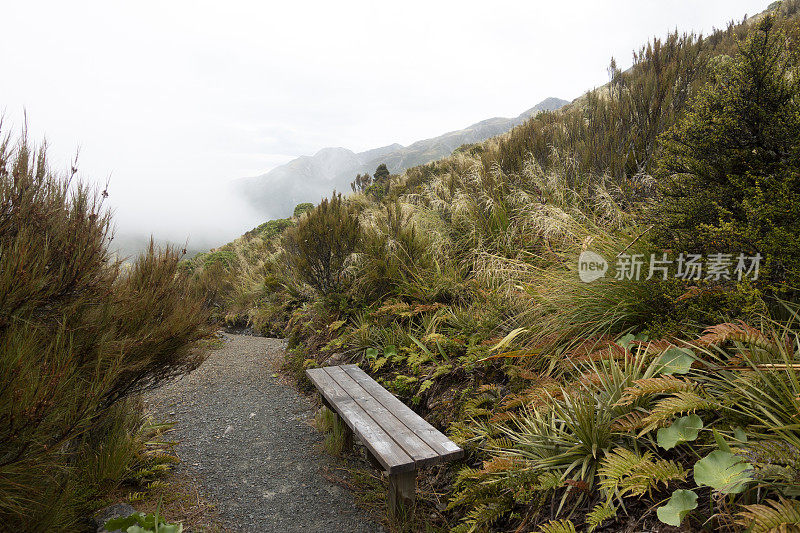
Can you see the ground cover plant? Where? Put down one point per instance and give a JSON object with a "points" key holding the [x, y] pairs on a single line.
{"points": [[583, 406]]}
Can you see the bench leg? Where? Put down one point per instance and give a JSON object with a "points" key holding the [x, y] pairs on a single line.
{"points": [[402, 488], [347, 443]]}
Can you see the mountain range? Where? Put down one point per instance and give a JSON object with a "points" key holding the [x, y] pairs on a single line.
{"points": [[310, 178]]}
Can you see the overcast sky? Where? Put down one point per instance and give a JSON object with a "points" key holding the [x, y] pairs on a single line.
{"points": [[173, 99]]}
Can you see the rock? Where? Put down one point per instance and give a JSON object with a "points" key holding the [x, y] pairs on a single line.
{"points": [[113, 511]]}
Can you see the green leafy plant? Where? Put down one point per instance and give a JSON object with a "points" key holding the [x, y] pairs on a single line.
{"points": [[730, 181], [143, 523], [80, 335], [723, 471], [684, 429], [772, 516], [680, 504], [676, 361]]}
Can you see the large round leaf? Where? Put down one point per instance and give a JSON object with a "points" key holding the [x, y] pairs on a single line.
{"points": [[723, 471], [676, 361], [678, 506], [684, 429]]}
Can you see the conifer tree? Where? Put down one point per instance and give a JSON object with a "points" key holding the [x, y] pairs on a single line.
{"points": [[730, 169], [381, 173]]}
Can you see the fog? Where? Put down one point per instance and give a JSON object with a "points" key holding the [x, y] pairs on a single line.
{"points": [[170, 101]]}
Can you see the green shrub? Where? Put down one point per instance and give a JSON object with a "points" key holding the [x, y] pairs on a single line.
{"points": [[78, 334], [225, 257], [299, 209], [731, 166], [320, 246]]}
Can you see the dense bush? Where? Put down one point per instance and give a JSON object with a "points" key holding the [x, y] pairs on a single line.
{"points": [[321, 244], [731, 166], [79, 332], [300, 209]]}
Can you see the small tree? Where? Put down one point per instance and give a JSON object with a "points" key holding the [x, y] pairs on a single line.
{"points": [[319, 247], [379, 186], [730, 169], [381, 174], [361, 183]]}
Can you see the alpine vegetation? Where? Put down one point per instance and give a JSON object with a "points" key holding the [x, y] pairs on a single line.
{"points": [[644, 396], [81, 335]]}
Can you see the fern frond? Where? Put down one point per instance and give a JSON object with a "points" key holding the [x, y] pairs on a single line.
{"points": [[738, 332], [616, 465], [465, 474], [650, 474], [653, 386], [541, 394], [624, 472], [773, 517], [629, 422], [487, 514], [679, 403], [549, 481], [557, 526], [598, 515], [503, 464]]}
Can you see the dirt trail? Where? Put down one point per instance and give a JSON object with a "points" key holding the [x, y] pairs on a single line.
{"points": [[248, 439]]}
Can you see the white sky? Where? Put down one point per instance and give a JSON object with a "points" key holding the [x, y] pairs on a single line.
{"points": [[173, 99]]}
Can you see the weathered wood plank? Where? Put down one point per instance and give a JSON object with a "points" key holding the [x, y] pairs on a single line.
{"points": [[380, 444], [412, 444], [434, 438]]}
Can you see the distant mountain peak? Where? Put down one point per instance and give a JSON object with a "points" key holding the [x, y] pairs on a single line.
{"points": [[310, 178], [332, 152]]}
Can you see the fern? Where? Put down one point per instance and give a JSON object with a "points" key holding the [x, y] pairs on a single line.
{"points": [[598, 515], [630, 422], [465, 474], [624, 472], [652, 386], [549, 481], [737, 332], [539, 395], [775, 461], [557, 526], [649, 475], [774, 516], [679, 403], [616, 465]]}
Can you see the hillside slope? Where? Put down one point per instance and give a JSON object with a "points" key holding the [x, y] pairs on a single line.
{"points": [[457, 286], [309, 178]]}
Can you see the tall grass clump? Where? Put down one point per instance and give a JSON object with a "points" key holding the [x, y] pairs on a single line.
{"points": [[79, 334]]}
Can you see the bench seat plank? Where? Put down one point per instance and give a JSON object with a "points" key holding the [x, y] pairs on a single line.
{"points": [[447, 449], [380, 444], [398, 438], [413, 445]]}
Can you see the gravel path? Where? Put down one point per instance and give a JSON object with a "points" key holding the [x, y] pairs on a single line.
{"points": [[248, 438]]}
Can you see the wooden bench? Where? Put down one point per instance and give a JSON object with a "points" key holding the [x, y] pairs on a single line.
{"points": [[399, 440]]}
